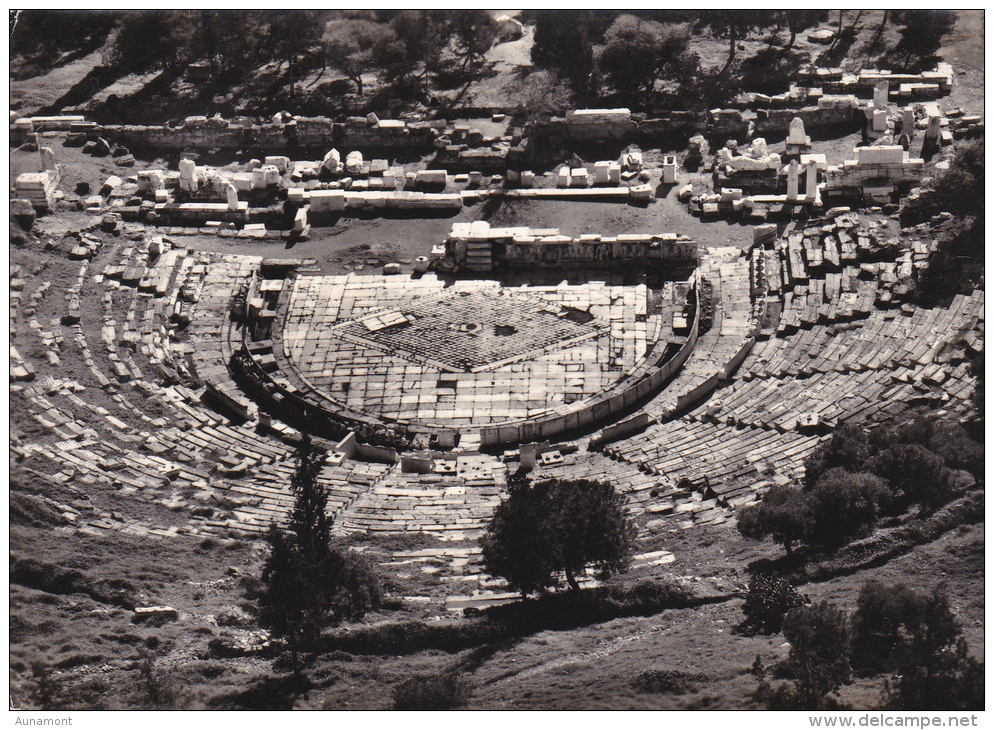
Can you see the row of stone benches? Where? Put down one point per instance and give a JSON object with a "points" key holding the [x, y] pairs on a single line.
{"points": [[732, 464], [885, 339]]}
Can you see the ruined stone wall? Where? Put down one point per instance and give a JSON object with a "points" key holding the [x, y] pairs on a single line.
{"points": [[303, 133], [777, 121], [523, 253], [831, 113]]}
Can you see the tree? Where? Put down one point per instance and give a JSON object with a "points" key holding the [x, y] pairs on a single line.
{"points": [[291, 38], [914, 470], [934, 671], [818, 661], [145, 41], [879, 623], [306, 582], [636, 51], [734, 25], [424, 35], [357, 47], [797, 20], [562, 45], [844, 505], [473, 33], [785, 513], [541, 94], [847, 448], [557, 526], [923, 28]]}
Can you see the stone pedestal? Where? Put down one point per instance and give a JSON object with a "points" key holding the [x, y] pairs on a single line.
{"points": [[811, 181], [880, 93], [669, 170], [908, 122], [879, 120], [792, 182]]}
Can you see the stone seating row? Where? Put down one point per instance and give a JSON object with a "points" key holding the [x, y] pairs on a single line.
{"points": [[730, 464], [248, 501], [885, 339], [784, 404], [733, 323], [449, 507]]}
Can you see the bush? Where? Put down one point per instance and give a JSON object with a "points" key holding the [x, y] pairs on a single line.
{"points": [[920, 430], [770, 598], [845, 505], [432, 692], [785, 513], [847, 448], [882, 614], [966, 172], [934, 671], [818, 661], [667, 681], [956, 447], [918, 473]]}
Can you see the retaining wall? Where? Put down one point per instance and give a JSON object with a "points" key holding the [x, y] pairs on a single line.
{"points": [[303, 133]]}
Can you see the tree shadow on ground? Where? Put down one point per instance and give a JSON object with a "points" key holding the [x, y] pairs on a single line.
{"points": [[492, 626], [269, 693]]}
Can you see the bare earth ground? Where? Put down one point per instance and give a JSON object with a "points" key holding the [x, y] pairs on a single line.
{"points": [[93, 648]]}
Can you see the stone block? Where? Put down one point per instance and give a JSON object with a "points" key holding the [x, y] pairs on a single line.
{"points": [[281, 163], [879, 155], [879, 120], [430, 177], [353, 162], [669, 170], [332, 161]]}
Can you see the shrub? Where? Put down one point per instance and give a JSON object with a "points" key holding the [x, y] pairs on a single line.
{"points": [[917, 431], [818, 661], [882, 613], [847, 448], [957, 449], [934, 671], [667, 681], [785, 513], [432, 692], [917, 472], [845, 505], [770, 598]]}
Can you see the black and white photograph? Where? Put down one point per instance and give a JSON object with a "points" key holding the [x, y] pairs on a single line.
{"points": [[489, 360]]}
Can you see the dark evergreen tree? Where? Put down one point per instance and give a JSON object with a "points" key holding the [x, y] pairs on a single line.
{"points": [[473, 33], [557, 526], [562, 45], [882, 615], [847, 448], [638, 51], [845, 505], [934, 670], [818, 661], [307, 583]]}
